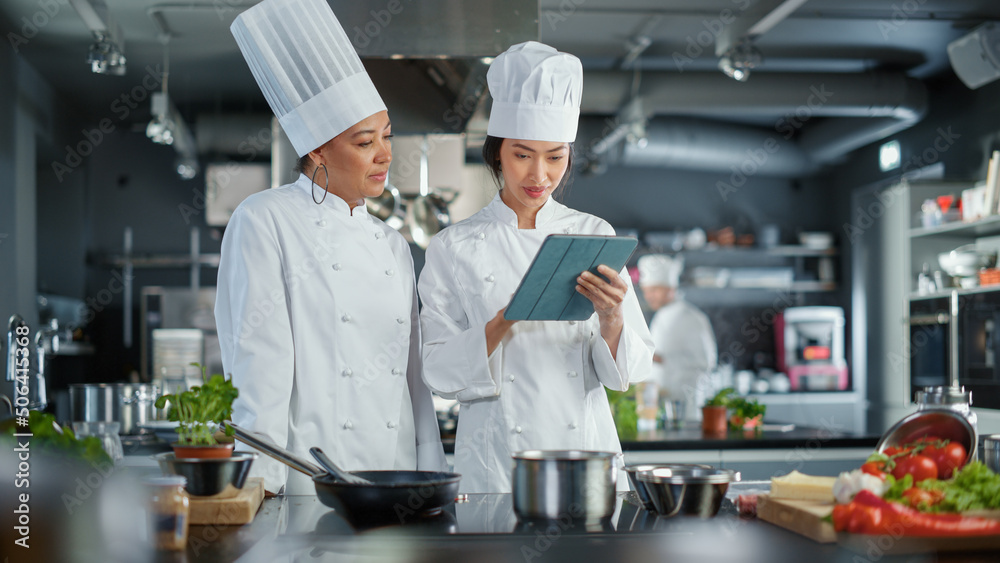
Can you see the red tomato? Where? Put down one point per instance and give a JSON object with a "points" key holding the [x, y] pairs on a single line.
{"points": [[920, 466], [874, 468], [916, 497], [948, 458]]}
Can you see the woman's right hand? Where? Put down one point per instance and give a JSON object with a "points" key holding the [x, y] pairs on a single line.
{"points": [[496, 329]]}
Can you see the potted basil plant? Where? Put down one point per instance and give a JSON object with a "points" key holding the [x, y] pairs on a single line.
{"points": [[715, 412], [198, 411]]}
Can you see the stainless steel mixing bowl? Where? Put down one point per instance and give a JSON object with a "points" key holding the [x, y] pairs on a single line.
{"points": [[939, 423], [640, 486], [693, 491]]}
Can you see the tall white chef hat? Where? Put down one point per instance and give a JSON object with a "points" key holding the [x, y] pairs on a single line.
{"points": [[307, 69], [536, 94], [660, 269]]}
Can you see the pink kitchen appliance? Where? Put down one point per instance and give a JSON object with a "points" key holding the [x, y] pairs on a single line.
{"points": [[810, 348]]}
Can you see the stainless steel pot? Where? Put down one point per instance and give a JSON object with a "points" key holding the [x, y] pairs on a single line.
{"points": [[559, 485], [129, 404]]}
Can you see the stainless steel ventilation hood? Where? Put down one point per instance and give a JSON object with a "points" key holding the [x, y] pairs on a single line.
{"points": [[428, 58]]}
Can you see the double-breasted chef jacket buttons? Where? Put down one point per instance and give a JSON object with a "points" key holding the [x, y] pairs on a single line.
{"points": [[379, 235], [517, 429], [390, 424], [348, 425], [346, 318], [511, 377], [397, 371], [321, 223], [571, 374], [347, 372], [401, 320], [572, 426], [336, 267], [389, 272], [490, 278], [482, 236]]}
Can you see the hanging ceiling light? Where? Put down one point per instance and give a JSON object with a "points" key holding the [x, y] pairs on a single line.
{"points": [[167, 127], [107, 53], [738, 61]]}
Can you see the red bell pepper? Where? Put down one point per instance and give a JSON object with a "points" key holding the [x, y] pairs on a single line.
{"points": [[870, 514]]}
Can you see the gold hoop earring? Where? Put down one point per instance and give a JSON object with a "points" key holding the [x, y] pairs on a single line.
{"points": [[312, 192]]}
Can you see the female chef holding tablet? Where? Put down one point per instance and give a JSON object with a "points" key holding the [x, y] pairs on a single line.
{"points": [[529, 384], [316, 306]]}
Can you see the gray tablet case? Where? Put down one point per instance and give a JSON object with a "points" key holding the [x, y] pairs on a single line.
{"points": [[548, 290]]}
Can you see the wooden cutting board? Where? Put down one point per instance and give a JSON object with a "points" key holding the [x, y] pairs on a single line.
{"points": [[803, 517], [232, 511]]}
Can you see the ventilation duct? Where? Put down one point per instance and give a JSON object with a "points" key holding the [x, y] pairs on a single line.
{"points": [[869, 107]]}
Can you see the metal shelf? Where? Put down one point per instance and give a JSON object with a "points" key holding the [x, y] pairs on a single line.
{"points": [[960, 291], [984, 227], [788, 251], [795, 287], [161, 260]]}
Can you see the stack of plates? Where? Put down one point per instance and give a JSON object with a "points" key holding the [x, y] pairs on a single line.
{"points": [[174, 350]]}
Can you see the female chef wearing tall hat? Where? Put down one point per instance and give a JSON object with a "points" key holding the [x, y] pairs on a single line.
{"points": [[530, 384], [316, 306]]}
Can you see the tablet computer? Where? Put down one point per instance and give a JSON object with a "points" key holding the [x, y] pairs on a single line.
{"points": [[547, 291]]}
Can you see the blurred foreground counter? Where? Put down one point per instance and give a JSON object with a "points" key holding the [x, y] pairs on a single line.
{"points": [[483, 528]]}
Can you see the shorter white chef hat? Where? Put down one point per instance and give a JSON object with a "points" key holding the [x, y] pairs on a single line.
{"points": [[536, 94], [660, 269], [307, 69]]}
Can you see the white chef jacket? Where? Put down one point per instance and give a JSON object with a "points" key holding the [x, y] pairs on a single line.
{"points": [[685, 342], [543, 386], [317, 320]]}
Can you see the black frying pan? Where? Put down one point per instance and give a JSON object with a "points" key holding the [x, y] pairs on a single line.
{"points": [[393, 496]]}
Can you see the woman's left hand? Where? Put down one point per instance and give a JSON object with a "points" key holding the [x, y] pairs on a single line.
{"points": [[607, 296]]}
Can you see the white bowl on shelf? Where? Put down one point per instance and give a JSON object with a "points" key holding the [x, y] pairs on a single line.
{"points": [[816, 240], [965, 261]]}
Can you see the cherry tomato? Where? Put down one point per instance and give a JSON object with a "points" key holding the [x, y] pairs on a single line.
{"points": [[874, 468], [948, 458], [916, 497], [920, 466]]}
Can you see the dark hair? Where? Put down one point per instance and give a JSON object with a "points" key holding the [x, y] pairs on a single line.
{"points": [[303, 164], [491, 156]]}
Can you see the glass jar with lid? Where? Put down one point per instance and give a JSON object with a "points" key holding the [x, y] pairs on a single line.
{"points": [[168, 511], [947, 397]]}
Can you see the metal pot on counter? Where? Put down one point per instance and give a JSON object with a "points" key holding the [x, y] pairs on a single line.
{"points": [[129, 404], [556, 485]]}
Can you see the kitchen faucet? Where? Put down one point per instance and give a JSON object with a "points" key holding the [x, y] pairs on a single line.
{"points": [[12, 326], [38, 392]]}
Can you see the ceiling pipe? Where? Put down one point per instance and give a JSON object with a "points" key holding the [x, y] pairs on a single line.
{"points": [[871, 106], [697, 144]]}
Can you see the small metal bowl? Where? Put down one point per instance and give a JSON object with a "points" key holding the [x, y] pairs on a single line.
{"points": [[940, 423], [207, 477], [640, 487], [991, 452], [691, 491]]}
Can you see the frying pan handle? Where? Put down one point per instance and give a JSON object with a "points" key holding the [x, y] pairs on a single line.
{"points": [[270, 448]]}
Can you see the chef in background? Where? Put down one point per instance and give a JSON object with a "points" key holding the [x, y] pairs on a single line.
{"points": [[316, 305], [686, 351], [526, 384]]}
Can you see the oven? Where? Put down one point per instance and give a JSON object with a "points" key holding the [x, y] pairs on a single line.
{"points": [[954, 339]]}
